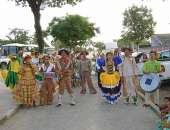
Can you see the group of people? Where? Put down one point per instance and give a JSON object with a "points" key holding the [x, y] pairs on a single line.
{"points": [[117, 76], [35, 78]]}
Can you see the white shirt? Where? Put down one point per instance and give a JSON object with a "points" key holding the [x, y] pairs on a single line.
{"points": [[128, 67]]}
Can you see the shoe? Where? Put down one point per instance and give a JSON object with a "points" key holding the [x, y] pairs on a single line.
{"points": [[146, 105], [59, 101], [58, 105], [135, 100], [72, 103], [83, 91], [127, 100], [93, 91]]}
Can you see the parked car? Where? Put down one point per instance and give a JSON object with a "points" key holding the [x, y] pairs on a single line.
{"points": [[13, 48], [163, 57]]}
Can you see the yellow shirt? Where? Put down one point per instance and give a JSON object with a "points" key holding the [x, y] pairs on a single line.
{"points": [[4, 74], [14, 66]]}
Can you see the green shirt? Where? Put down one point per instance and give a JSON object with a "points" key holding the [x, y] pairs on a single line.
{"points": [[152, 67]]}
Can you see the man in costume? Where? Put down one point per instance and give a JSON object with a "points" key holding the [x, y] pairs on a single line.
{"points": [[100, 63], [152, 66], [85, 69], [128, 71], [64, 69]]}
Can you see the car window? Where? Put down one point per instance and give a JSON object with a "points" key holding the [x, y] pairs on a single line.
{"points": [[165, 55]]}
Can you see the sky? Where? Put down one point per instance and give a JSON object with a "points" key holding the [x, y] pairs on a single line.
{"points": [[106, 14]]}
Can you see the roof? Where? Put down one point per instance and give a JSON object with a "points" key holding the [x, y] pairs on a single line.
{"points": [[160, 40], [21, 45]]}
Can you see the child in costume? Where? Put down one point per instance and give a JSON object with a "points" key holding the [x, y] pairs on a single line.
{"points": [[164, 123], [110, 80], [4, 71]]}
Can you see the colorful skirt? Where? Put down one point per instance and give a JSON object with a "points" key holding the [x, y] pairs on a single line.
{"points": [[11, 79], [26, 92], [110, 86]]}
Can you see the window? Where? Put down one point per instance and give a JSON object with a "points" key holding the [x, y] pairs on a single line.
{"points": [[165, 55]]}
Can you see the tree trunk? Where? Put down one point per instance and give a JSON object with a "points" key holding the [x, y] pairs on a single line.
{"points": [[38, 31]]}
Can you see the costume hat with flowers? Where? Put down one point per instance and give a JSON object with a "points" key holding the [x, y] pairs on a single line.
{"points": [[63, 50]]}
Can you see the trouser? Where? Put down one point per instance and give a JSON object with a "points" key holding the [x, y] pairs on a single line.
{"points": [[155, 96], [65, 83], [129, 86], [98, 78], [86, 77]]}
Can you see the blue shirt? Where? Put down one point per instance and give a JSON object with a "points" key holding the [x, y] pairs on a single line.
{"points": [[100, 63]]}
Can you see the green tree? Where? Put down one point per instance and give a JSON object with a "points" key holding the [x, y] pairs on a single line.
{"points": [[99, 45], [124, 41], [17, 35], [36, 6], [138, 24], [72, 30]]}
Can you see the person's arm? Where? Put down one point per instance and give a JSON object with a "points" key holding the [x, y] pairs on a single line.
{"points": [[90, 65], [136, 71], [145, 68], [158, 67]]}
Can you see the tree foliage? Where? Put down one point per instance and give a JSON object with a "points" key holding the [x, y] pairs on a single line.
{"points": [[17, 35], [138, 24], [36, 6], [72, 30], [99, 45]]}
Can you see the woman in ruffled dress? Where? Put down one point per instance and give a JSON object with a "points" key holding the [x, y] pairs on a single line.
{"points": [[26, 89], [110, 80]]}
